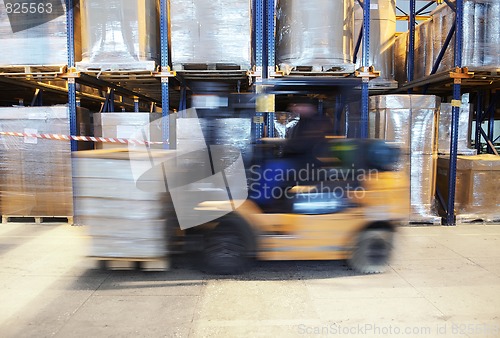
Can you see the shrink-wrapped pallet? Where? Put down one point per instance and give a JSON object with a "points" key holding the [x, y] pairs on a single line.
{"points": [[382, 37], [445, 121], [477, 186], [127, 126], [318, 36], [35, 174], [124, 211], [411, 122], [210, 33], [40, 45], [119, 35]]}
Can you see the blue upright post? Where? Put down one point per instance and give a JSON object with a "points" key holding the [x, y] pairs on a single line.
{"points": [[271, 56], [366, 63], [164, 80], [452, 174], [71, 63], [411, 45], [261, 65]]}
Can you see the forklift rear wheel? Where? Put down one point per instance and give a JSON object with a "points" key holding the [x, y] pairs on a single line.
{"points": [[226, 252], [373, 251]]}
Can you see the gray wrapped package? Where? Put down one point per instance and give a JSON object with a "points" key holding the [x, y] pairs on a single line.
{"points": [[401, 58], [317, 34], [35, 174], [210, 32], [124, 211], [119, 35], [382, 37], [481, 32], [445, 119], [477, 189], [127, 125], [410, 120], [41, 45], [423, 51]]}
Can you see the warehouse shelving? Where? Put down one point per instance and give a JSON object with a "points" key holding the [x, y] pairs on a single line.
{"points": [[453, 82]]}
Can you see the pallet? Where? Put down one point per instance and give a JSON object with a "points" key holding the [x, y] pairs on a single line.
{"points": [[128, 263], [35, 71], [424, 221], [116, 67], [477, 219], [180, 67], [36, 219], [341, 70]]}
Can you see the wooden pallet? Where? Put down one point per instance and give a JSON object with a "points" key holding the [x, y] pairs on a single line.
{"points": [[423, 221], [35, 71], [477, 219], [318, 70], [210, 67], [131, 263], [36, 219], [116, 67]]}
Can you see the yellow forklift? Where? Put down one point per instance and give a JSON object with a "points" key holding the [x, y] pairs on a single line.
{"points": [[343, 201]]}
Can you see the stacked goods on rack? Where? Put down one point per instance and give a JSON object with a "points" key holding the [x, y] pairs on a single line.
{"points": [[317, 38], [411, 122], [119, 35], [476, 192], [120, 196], [464, 127], [209, 34], [44, 44], [128, 126], [382, 36], [35, 174], [481, 40]]}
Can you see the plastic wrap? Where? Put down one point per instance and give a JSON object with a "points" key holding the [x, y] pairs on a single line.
{"points": [[319, 35], [445, 120], [40, 45], [382, 32], [285, 124], [126, 125], [423, 50], [401, 58], [123, 218], [210, 32], [119, 34], [410, 120], [476, 195], [35, 174]]}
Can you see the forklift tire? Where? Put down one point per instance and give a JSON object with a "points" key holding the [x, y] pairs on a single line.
{"points": [[226, 251], [373, 251]]}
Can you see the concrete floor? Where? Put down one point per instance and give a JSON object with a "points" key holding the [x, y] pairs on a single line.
{"points": [[443, 282]]}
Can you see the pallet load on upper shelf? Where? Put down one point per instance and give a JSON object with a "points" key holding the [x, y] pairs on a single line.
{"points": [[317, 37], [120, 197], [41, 45], [128, 126], [119, 35], [35, 174], [382, 32], [411, 121], [477, 186], [210, 34], [481, 40], [464, 127]]}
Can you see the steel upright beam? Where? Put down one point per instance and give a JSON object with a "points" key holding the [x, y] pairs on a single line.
{"points": [[260, 63], [365, 101], [164, 80], [70, 31], [411, 44], [452, 174], [271, 55]]}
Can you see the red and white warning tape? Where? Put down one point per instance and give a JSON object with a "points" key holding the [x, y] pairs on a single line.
{"points": [[79, 138]]}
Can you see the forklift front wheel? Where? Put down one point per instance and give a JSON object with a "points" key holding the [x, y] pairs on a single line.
{"points": [[373, 251], [226, 252]]}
